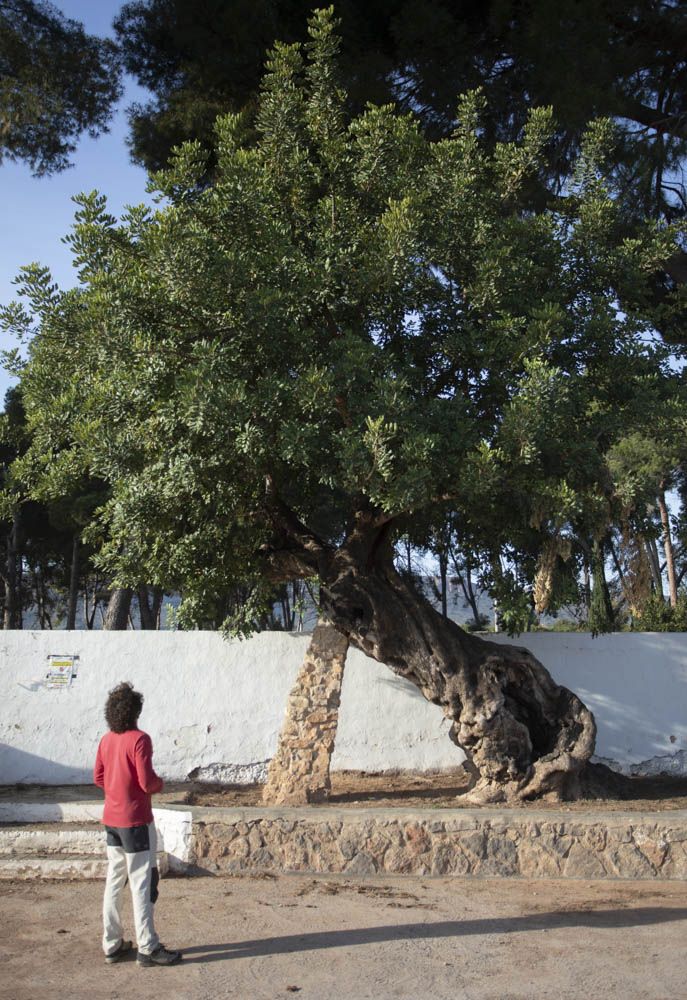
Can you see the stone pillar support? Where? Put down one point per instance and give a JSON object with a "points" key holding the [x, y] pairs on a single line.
{"points": [[299, 771]]}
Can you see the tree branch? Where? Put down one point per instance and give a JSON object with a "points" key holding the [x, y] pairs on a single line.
{"points": [[657, 120], [295, 551], [676, 267]]}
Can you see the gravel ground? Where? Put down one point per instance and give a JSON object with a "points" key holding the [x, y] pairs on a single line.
{"points": [[335, 937]]}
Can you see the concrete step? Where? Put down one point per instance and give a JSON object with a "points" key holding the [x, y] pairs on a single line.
{"points": [[53, 828], [68, 866], [47, 839], [56, 851], [21, 867]]}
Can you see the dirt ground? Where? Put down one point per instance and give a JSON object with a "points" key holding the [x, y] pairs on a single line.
{"points": [[326, 937], [441, 790], [425, 790]]}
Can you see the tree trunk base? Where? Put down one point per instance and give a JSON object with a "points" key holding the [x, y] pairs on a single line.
{"points": [[525, 736], [593, 781]]}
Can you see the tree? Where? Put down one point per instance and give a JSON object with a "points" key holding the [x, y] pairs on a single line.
{"points": [[37, 543], [353, 327], [645, 465], [204, 59], [584, 57], [56, 82]]}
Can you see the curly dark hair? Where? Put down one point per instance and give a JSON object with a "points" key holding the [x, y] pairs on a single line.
{"points": [[123, 707]]}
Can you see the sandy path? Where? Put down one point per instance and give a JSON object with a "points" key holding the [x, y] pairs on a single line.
{"points": [[335, 937]]}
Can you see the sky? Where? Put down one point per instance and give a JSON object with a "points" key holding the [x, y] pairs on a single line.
{"points": [[37, 212]]}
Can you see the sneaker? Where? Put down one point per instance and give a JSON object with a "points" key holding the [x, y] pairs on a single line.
{"points": [[161, 956], [115, 956]]}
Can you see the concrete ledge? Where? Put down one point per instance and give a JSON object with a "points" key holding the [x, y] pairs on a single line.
{"points": [[21, 868], [511, 843], [37, 811], [530, 843], [174, 829], [50, 839]]}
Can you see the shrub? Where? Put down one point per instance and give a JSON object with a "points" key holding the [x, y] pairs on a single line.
{"points": [[658, 616]]}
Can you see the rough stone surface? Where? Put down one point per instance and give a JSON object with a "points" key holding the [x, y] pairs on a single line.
{"points": [[481, 843], [230, 774], [299, 771]]}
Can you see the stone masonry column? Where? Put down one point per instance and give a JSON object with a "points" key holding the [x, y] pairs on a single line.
{"points": [[299, 771]]}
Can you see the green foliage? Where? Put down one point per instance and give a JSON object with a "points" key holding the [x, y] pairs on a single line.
{"points": [[513, 602], [583, 58], [480, 624], [587, 60], [567, 625], [350, 316], [56, 82], [658, 616]]}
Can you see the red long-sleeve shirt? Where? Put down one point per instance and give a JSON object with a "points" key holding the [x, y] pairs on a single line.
{"points": [[124, 768]]}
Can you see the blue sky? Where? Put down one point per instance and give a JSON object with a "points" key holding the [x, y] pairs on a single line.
{"points": [[37, 212]]}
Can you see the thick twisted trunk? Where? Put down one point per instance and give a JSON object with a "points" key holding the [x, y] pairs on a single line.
{"points": [[525, 736]]}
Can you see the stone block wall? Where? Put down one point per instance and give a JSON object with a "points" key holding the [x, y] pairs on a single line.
{"points": [[549, 844]]}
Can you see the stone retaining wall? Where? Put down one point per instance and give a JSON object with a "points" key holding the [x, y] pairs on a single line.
{"points": [[549, 844]]}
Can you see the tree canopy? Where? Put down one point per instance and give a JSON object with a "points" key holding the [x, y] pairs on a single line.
{"points": [[585, 58], [351, 317], [351, 332], [56, 82]]}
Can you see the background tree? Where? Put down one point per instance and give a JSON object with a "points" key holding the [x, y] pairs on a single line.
{"points": [[585, 58], [352, 328], [56, 82], [39, 574]]}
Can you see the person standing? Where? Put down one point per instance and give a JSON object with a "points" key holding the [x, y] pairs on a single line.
{"points": [[124, 769]]}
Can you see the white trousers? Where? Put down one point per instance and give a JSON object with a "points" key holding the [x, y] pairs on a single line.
{"points": [[137, 867]]}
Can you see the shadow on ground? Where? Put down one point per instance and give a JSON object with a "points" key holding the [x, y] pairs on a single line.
{"points": [[597, 920]]}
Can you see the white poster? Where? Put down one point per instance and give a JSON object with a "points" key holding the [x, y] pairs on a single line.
{"points": [[61, 671]]}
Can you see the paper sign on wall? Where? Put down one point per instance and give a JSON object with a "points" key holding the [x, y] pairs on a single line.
{"points": [[61, 671]]}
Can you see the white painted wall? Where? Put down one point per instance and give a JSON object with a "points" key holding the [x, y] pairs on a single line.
{"points": [[215, 707]]}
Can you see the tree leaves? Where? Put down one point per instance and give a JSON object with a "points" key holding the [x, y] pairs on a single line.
{"points": [[351, 313]]}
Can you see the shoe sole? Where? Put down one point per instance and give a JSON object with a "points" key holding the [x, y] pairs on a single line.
{"points": [[150, 963], [118, 955]]}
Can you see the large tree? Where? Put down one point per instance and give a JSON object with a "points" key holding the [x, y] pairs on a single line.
{"points": [[583, 56], [56, 82], [353, 329], [587, 58]]}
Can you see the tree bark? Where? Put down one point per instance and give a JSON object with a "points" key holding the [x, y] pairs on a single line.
{"points": [[117, 614], [601, 617], [467, 588], [73, 585], [525, 736], [12, 603], [443, 576], [299, 771], [668, 547], [149, 611], [655, 566]]}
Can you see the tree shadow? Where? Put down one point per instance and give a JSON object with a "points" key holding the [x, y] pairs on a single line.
{"points": [[318, 940], [400, 794]]}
